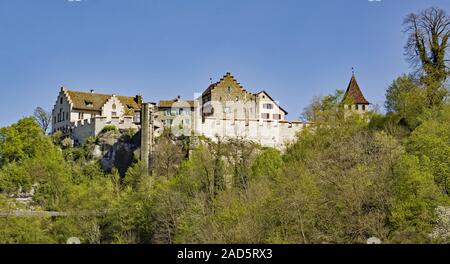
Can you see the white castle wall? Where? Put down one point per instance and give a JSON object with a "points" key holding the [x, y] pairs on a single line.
{"points": [[267, 133], [84, 129]]}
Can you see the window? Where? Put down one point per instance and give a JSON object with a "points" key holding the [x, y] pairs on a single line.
{"points": [[54, 119], [60, 100], [173, 112], [276, 116], [181, 111], [80, 116], [227, 110], [267, 106], [113, 114], [67, 116], [114, 106], [356, 107], [265, 115], [237, 98], [167, 112], [364, 107], [229, 89], [187, 121], [88, 103]]}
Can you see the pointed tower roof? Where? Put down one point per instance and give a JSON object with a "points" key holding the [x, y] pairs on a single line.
{"points": [[353, 93]]}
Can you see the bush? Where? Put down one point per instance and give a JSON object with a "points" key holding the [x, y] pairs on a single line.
{"points": [[109, 128]]}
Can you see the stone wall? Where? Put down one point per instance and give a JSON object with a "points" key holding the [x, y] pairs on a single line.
{"points": [[84, 129], [275, 134]]}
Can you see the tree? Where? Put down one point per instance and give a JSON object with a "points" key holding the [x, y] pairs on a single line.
{"points": [[325, 109], [21, 140], [406, 100], [167, 156], [414, 199], [432, 140], [428, 35], [43, 118]]}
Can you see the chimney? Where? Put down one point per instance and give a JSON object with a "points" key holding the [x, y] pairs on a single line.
{"points": [[138, 99], [92, 91]]}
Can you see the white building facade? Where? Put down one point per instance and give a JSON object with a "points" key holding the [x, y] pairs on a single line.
{"points": [[84, 114]]}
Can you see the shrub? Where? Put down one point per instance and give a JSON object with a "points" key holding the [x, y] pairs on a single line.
{"points": [[109, 128]]}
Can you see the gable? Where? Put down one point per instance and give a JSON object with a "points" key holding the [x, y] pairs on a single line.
{"points": [[271, 100], [227, 88]]}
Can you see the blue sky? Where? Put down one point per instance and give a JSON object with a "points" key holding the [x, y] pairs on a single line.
{"points": [[293, 49]]}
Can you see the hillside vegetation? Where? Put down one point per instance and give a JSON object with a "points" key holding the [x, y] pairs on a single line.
{"points": [[342, 181]]}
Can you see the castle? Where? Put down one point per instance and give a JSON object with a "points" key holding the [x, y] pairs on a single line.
{"points": [[224, 110]]}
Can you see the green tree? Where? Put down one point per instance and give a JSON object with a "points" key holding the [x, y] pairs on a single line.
{"points": [[405, 101], [432, 140], [415, 197]]}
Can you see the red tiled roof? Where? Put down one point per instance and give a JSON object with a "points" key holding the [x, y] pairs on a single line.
{"points": [[353, 93]]}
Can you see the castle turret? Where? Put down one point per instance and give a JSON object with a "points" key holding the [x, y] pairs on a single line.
{"points": [[354, 99]]}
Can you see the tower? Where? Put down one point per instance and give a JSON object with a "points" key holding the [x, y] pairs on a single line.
{"points": [[354, 99]]}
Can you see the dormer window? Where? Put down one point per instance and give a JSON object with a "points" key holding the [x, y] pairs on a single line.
{"points": [[88, 103]]}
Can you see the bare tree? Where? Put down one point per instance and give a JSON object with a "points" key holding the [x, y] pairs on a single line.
{"points": [[428, 35], [167, 156], [44, 118]]}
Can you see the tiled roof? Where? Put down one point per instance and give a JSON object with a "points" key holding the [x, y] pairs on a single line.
{"points": [[353, 93], [170, 103], [94, 101], [212, 86]]}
